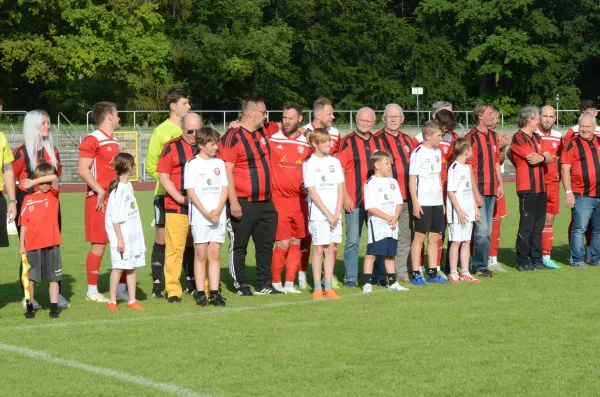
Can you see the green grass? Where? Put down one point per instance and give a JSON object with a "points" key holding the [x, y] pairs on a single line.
{"points": [[515, 334]]}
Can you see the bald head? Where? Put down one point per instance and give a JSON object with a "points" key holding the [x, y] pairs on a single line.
{"points": [[191, 123], [365, 120], [547, 119]]}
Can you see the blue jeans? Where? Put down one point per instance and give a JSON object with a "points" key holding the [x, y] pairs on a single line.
{"points": [[481, 234], [354, 225], [585, 209]]}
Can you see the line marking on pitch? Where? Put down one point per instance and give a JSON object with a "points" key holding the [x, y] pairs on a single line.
{"points": [[177, 315], [110, 373]]}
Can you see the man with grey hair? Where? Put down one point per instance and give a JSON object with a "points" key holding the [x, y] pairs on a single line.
{"points": [[529, 159], [439, 105], [355, 153], [582, 189], [399, 145]]}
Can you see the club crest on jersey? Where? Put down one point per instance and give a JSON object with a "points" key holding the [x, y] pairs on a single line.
{"points": [[217, 171], [331, 168], [407, 148], [437, 159], [554, 145], [263, 141], [445, 150], [300, 149], [133, 205], [46, 204], [392, 186], [539, 146], [494, 148]]}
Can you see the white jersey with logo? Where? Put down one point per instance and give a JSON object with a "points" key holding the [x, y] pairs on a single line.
{"points": [[382, 194], [426, 165], [123, 209], [324, 174], [459, 182], [207, 178]]}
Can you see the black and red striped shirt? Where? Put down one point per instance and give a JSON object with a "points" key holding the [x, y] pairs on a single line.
{"points": [[250, 152], [530, 178], [486, 154], [22, 165], [175, 154], [400, 147], [584, 158], [355, 157]]}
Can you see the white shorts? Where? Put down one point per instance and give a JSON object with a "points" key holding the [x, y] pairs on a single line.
{"points": [[322, 234], [460, 232], [204, 234], [129, 263]]}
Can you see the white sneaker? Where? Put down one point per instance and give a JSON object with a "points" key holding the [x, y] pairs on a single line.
{"points": [[97, 297], [289, 289], [495, 267], [123, 296], [62, 302], [397, 287], [36, 306], [278, 287], [367, 289]]}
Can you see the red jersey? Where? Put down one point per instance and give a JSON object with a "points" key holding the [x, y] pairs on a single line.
{"points": [[334, 133], [175, 154], [103, 148], [584, 158], [355, 158], [250, 152], [486, 154], [553, 144], [530, 178], [40, 215], [399, 147], [22, 165], [574, 132], [287, 156]]}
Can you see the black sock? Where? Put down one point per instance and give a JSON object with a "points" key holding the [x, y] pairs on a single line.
{"points": [[200, 293], [60, 287], [432, 272], [391, 278], [158, 262], [188, 264], [368, 278], [415, 273], [214, 292], [54, 307]]}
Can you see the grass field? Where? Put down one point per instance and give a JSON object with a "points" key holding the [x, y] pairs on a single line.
{"points": [[530, 334]]}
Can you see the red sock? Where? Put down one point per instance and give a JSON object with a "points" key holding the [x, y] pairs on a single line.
{"points": [[495, 236], [547, 237], [305, 248], [277, 263], [92, 265], [123, 279], [293, 263]]}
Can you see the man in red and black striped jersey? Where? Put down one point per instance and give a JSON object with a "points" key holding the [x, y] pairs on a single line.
{"points": [[487, 182], [400, 146], [356, 150], [247, 154], [587, 106], [580, 165], [529, 160], [178, 244]]}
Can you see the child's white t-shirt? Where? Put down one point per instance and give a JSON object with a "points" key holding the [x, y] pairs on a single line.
{"points": [[383, 194], [426, 164], [207, 178], [459, 182], [324, 174], [123, 209]]}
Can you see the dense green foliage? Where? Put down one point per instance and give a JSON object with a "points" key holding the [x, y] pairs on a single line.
{"points": [[67, 54]]}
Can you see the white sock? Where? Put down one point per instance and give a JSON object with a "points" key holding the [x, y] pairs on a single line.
{"points": [[277, 285], [121, 288], [422, 269], [302, 276], [289, 284], [495, 260], [92, 289], [546, 256]]}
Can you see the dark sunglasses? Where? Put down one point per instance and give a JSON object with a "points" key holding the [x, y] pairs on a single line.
{"points": [[193, 131]]}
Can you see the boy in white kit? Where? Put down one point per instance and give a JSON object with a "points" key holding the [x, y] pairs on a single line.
{"points": [[205, 181], [323, 178], [425, 186], [383, 202], [461, 212]]}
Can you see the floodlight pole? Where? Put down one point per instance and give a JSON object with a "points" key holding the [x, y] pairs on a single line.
{"points": [[557, 99], [417, 91]]}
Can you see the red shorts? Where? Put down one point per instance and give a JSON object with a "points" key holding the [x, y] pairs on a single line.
{"points": [[553, 203], [500, 208], [292, 220], [95, 232]]}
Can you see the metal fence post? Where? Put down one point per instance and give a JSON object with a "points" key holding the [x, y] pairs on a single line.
{"points": [[224, 121], [351, 122]]}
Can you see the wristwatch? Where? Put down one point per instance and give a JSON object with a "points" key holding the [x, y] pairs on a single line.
{"points": [[12, 201]]}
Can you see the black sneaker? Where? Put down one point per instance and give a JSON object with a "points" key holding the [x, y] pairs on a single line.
{"points": [[350, 284], [54, 315], [157, 293], [201, 301], [217, 300], [484, 273], [268, 291], [244, 291], [174, 299], [539, 266], [29, 315], [526, 268], [190, 290], [383, 282]]}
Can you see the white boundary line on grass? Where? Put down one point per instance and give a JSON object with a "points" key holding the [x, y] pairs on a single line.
{"points": [[119, 375], [176, 315]]}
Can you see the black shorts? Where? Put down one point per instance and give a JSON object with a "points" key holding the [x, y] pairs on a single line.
{"points": [[46, 264], [159, 211], [432, 220], [3, 224], [385, 247]]}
